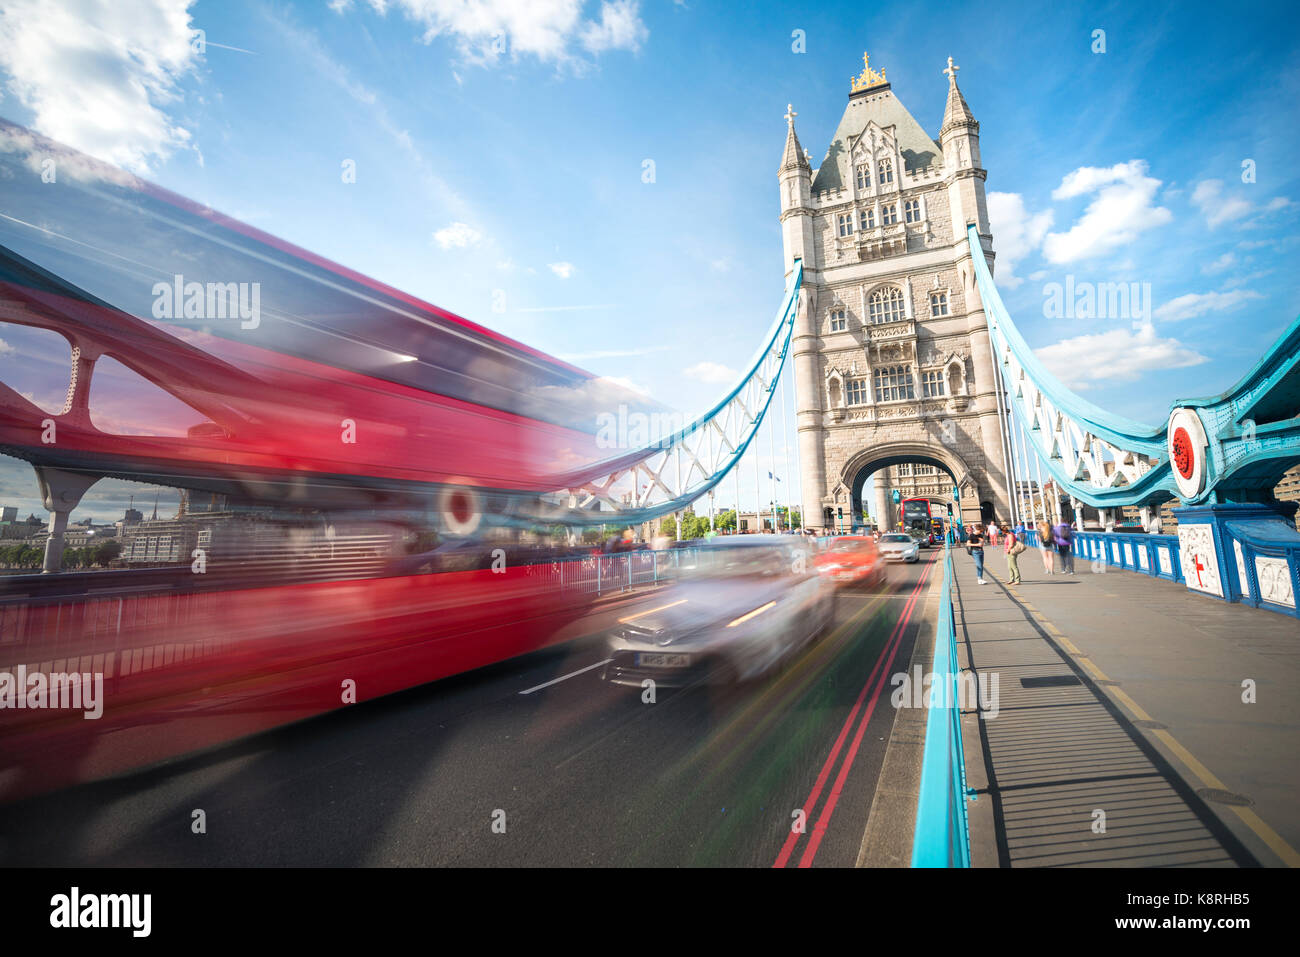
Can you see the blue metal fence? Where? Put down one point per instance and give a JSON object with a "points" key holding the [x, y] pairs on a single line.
{"points": [[942, 836]]}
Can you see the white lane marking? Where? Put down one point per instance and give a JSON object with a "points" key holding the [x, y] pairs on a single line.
{"points": [[571, 674]]}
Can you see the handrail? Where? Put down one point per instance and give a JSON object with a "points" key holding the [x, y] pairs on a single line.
{"points": [[942, 835]]}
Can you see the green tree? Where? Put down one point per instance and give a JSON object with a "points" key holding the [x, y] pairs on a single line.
{"points": [[725, 521], [108, 551], [694, 526]]}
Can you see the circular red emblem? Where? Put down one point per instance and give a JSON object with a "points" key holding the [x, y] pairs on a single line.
{"points": [[460, 507], [1184, 454]]}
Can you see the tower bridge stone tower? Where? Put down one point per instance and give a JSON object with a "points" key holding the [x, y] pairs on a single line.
{"points": [[890, 347]]}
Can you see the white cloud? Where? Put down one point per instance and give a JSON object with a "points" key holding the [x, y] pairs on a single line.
{"points": [[622, 382], [713, 372], [561, 269], [1218, 209], [1121, 210], [459, 235], [97, 74], [620, 28], [5, 348], [1240, 279], [1279, 202], [1121, 354], [1226, 261], [1016, 231], [1198, 303], [486, 30], [340, 6]]}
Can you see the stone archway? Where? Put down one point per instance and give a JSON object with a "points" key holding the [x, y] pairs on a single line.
{"points": [[859, 467]]}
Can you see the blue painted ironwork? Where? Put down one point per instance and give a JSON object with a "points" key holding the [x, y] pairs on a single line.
{"points": [[1251, 433], [680, 468], [1154, 555], [942, 834]]}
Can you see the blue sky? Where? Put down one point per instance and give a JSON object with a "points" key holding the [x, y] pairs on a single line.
{"points": [[514, 177]]}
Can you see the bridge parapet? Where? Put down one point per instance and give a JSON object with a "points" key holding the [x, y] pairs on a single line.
{"points": [[1237, 553]]}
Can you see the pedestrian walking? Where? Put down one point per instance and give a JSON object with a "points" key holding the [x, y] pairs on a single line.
{"points": [[1064, 538], [1047, 546], [975, 545], [1014, 546]]}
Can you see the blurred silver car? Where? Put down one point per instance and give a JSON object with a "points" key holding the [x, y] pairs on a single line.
{"points": [[742, 606], [899, 547]]}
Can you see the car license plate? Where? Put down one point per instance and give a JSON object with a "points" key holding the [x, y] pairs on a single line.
{"points": [[657, 659]]}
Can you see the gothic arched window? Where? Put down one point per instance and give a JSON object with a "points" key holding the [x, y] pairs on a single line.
{"points": [[894, 383], [886, 304], [886, 168], [864, 176]]}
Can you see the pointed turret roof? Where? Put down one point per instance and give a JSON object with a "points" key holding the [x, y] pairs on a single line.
{"points": [[876, 105], [957, 112], [794, 157]]}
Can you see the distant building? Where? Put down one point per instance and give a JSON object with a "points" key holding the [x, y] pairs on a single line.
{"points": [[21, 530], [1288, 490]]}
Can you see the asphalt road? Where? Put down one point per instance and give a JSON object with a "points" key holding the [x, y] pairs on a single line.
{"points": [[584, 772]]}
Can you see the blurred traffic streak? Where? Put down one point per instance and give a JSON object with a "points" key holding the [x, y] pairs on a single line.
{"points": [[587, 772], [366, 479], [853, 561], [189, 661], [171, 344], [743, 607]]}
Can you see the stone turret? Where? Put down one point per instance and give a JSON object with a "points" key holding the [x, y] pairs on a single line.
{"points": [[799, 238]]}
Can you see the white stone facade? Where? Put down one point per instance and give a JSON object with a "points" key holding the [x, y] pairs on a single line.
{"points": [[891, 349]]}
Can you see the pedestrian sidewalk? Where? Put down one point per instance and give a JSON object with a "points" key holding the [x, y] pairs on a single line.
{"points": [[1120, 735]]}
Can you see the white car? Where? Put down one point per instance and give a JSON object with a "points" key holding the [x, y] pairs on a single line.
{"points": [[741, 608], [899, 547]]}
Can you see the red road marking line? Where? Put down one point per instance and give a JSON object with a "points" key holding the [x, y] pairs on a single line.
{"points": [[815, 839], [811, 802]]}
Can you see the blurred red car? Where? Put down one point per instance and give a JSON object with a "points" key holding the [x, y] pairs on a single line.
{"points": [[852, 561]]}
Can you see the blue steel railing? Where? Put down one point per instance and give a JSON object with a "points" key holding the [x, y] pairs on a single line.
{"points": [[1154, 555], [942, 836]]}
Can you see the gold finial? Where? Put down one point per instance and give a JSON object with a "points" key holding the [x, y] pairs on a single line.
{"points": [[867, 78]]}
